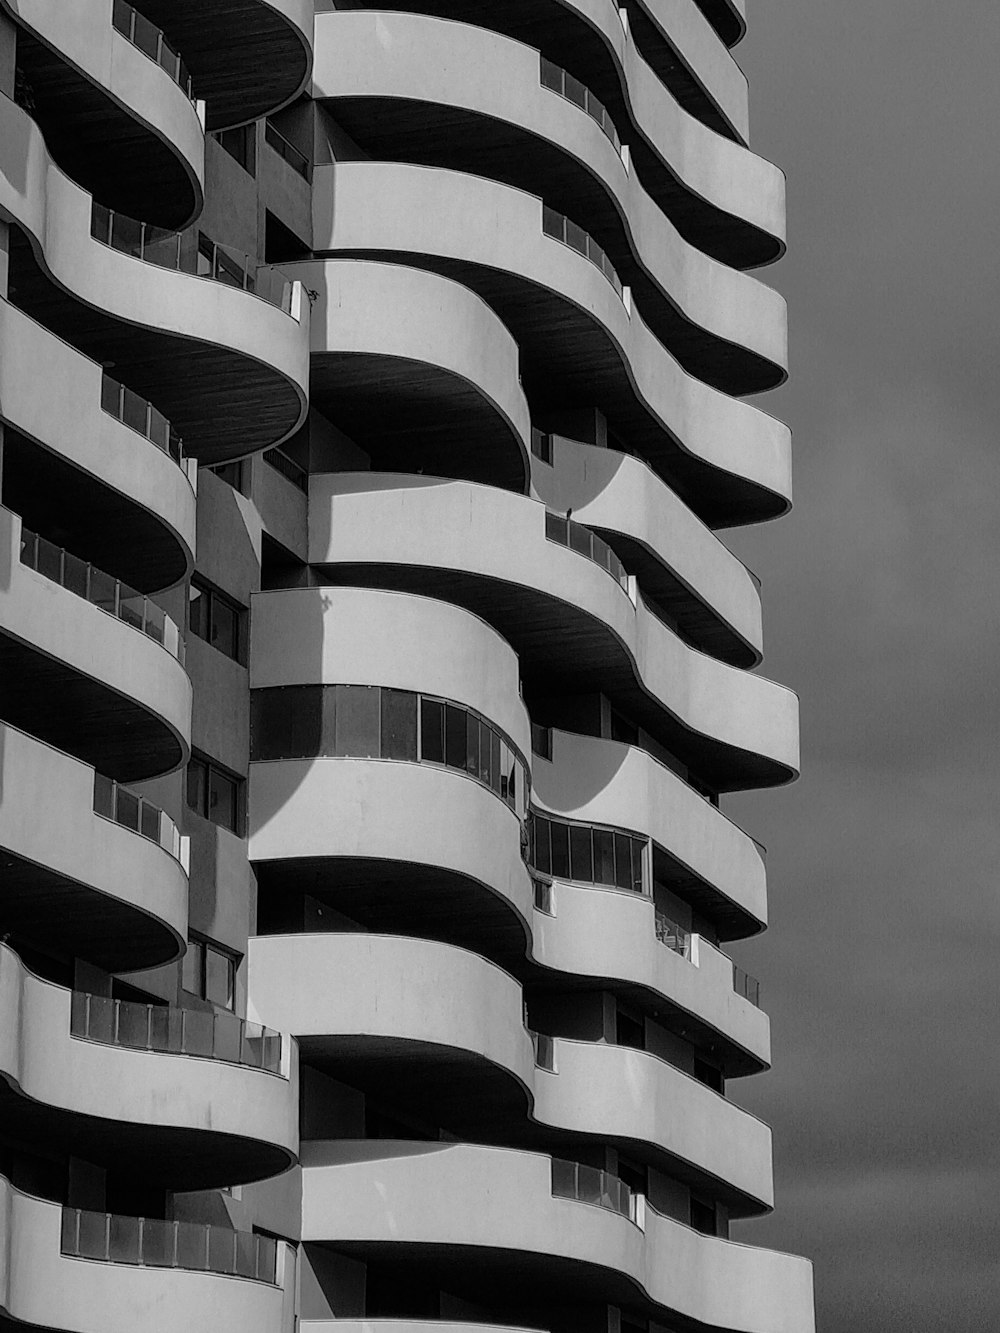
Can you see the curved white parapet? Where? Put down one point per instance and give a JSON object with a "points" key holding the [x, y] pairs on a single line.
{"points": [[56, 214], [707, 166], [425, 211], [98, 646], [68, 420], [365, 636], [39, 1285], [203, 1097], [499, 1200], [474, 71], [376, 809], [406, 991], [364, 309], [83, 35], [617, 493], [113, 870], [707, 59], [600, 781], [393, 520]]}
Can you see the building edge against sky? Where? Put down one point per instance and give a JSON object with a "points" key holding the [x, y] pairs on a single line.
{"points": [[374, 385]]}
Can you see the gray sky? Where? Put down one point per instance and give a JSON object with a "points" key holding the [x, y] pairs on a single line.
{"points": [[882, 968]]}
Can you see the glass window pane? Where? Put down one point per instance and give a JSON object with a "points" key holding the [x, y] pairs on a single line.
{"points": [[222, 800], [543, 845], [191, 967], [485, 744], [581, 853], [198, 611], [604, 856], [472, 745], [454, 736], [197, 786], [432, 731], [576, 237], [220, 977], [327, 720], [357, 721], [560, 849], [512, 782], [495, 762], [638, 846], [399, 724], [225, 628], [623, 861]]}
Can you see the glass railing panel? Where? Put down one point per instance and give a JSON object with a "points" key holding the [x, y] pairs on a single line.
{"points": [[580, 539], [221, 1251], [746, 985], [126, 235], [285, 149], [192, 1247], [199, 1033], [90, 1236], [159, 1240], [124, 1244]]}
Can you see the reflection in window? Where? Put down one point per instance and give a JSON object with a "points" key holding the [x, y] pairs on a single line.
{"points": [[372, 722], [586, 853]]}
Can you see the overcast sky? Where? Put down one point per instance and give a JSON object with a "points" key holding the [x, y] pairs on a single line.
{"points": [[882, 968]]}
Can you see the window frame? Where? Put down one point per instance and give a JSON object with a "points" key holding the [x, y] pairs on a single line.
{"points": [[216, 597], [200, 946], [209, 768]]}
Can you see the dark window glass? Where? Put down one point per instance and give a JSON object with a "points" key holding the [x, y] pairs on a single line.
{"points": [[581, 853], [495, 744], [455, 742], [485, 744], [357, 721], [225, 628], [623, 861], [222, 800], [472, 745], [560, 849], [328, 721], [197, 785], [543, 846], [399, 724], [220, 979], [638, 846], [285, 722], [604, 856], [432, 731], [703, 1216], [192, 967], [630, 1031], [512, 782]]}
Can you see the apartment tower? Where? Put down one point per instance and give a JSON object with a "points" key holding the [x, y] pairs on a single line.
{"points": [[372, 397]]}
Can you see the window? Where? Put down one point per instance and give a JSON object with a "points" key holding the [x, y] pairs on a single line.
{"points": [[232, 474], [709, 1074], [541, 741], [585, 853], [209, 971], [240, 144], [217, 619], [630, 1029], [703, 1215], [215, 794], [541, 445]]}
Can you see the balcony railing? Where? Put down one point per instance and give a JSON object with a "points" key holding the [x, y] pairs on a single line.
{"points": [[140, 415], [579, 538], [295, 158], [134, 812], [152, 1243], [101, 590], [208, 1034], [559, 81], [165, 249], [289, 469], [675, 937], [588, 1184], [746, 985], [151, 42], [560, 228], [545, 1050]]}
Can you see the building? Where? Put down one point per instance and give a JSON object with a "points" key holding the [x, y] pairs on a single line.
{"points": [[370, 668]]}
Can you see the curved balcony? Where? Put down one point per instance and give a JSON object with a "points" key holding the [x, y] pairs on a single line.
{"points": [[47, 1285], [186, 1099], [684, 571], [247, 60], [727, 17], [92, 457], [227, 370], [720, 196], [419, 368], [83, 884], [105, 685], [478, 1077], [723, 326], [443, 1206], [699, 853], [106, 92], [568, 621], [727, 459]]}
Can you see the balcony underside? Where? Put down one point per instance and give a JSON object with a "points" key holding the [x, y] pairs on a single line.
{"points": [[62, 918], [568, 360], [245, 59], [101, 146], [223, 405], [82, 716], [395, 898], [665, 62], [413, 417], [174, 1158], [102, 526], [562, 648]]}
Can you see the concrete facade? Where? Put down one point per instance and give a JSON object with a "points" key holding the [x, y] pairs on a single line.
{"points": [[373, 669]]}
